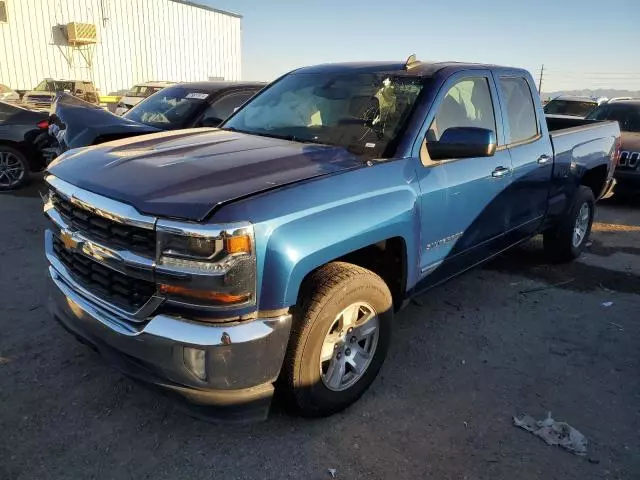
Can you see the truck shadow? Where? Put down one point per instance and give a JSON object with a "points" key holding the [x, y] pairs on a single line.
{"points": [[530, 261]]}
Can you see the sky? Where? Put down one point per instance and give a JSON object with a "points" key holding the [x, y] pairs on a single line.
{"points": [[582, 44]]}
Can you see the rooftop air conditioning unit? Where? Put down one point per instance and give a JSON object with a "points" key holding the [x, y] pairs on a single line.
{"points": [[81, 34]]}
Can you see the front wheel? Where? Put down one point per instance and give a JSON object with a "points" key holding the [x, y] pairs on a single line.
{"points": [[567, 240], [340, 337], [14, 169]]}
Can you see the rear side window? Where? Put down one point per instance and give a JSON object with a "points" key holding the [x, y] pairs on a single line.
{"points": [[521, 112], [466, 104], [225, 106]]}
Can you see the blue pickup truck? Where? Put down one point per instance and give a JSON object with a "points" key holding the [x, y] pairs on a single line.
{"points": [[273, 253]]}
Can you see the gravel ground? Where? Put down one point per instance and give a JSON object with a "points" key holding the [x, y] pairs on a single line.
{"points": [[465, 358]]}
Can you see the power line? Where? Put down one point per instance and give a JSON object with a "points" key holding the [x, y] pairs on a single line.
{"points": [[540, 81]]}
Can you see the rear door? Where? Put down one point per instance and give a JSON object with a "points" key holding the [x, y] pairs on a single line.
{"points": [[531, 156], [462, 201]]}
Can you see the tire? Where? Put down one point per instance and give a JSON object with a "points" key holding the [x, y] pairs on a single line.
{"points": [[560, 243], [14, 169], [335, 289]]}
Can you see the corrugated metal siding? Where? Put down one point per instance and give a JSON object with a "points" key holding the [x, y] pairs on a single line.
{"points": [[140, 40]]}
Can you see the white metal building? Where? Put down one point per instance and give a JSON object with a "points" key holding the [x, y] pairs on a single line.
{"points": [[117, 43]]}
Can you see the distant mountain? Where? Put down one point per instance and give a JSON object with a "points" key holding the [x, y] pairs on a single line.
{"points": [[601, 92]]}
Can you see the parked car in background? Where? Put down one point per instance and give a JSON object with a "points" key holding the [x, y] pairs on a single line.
{"points": [[44, 94], [139, 93], [75, 123], [571, 106], [20, 129], [214, 261], [8, 95], [627, 114]]}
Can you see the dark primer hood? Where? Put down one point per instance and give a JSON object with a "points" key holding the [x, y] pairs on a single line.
{"points": [[85, 122], [188, 173]]}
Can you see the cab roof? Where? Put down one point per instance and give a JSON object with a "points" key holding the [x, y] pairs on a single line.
{"points": [[419, 69]]}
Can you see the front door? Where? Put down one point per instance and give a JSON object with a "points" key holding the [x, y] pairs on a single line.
{"points": [[463, 219]]}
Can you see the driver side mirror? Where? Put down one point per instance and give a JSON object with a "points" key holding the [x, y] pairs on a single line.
{"points": [[463, 142]]}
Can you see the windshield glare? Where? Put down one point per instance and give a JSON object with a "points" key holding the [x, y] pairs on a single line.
{"points": [[169, 108], [361, 112], [628, 116], [569, 107]]}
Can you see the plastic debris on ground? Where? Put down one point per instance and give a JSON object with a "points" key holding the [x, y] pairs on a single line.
{"points": [[606, 304], [332, 472], [554, 433]]}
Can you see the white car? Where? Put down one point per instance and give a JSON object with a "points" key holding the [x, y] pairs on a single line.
{"points": [[137, 94], [8, 95]]}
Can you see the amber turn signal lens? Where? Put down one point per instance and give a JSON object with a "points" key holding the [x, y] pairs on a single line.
{"points": [[238, 244], [219, 297]]}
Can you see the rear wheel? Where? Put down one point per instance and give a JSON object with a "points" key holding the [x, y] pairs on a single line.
{"points": [[14, 169], [340, 337], [567, 241]]}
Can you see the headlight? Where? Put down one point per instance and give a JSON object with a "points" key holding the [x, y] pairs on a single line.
{"points": [[206, 265]]}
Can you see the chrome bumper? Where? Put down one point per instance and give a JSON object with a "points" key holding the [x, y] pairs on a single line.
{"points": [[234, 364]]}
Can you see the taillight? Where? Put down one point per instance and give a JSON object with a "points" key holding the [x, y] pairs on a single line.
{"points": [[43, 124], [617, 153]]}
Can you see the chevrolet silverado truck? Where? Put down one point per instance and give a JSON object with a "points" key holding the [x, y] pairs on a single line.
{"points": [[273, 252]]}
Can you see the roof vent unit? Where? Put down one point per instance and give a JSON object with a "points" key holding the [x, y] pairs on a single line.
{"points": [[79, 34]]}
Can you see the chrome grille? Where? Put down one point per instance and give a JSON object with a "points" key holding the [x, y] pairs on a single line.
{"points": [[120, 290], [101, 229]]}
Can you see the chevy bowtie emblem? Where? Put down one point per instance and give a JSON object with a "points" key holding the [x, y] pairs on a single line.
{"points": [[68, 241]]}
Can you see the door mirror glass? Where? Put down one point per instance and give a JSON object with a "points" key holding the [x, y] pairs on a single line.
{"points": [[463, 142]]}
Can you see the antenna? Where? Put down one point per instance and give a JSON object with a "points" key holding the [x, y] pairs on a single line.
{"points": [[411, 62]]}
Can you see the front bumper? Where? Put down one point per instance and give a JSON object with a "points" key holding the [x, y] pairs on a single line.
{"points": [[233, 367]]}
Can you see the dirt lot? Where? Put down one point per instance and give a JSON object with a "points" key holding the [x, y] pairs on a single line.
{"points": [[472, 354]]}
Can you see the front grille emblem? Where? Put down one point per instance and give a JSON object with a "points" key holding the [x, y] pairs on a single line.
{"points": [[68, 241]]}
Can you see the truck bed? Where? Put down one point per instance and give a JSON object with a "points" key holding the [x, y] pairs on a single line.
{"points": [[583, 143]]}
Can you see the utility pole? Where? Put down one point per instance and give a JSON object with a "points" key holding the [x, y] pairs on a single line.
{"points": [[540, 81]]}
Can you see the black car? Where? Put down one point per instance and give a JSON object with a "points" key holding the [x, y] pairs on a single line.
{"points": [[20, 131], [75, 123], [627, 113]]}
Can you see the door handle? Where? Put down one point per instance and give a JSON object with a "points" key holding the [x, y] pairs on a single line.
{"points": [[544, 159], [500, 172]]}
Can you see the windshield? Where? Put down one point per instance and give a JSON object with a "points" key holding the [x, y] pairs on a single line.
{"points": [[569, 107], [169, 109], [142, 91], [54, 86], [628, 116], [362, 112]]}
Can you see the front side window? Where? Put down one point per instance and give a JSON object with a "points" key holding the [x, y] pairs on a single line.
{"points": [[466, 104], [169, 108], [521, 111], [362, 112], [627, 116]]}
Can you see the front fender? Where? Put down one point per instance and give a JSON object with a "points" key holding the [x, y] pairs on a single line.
{"points": [[315, 223]]}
